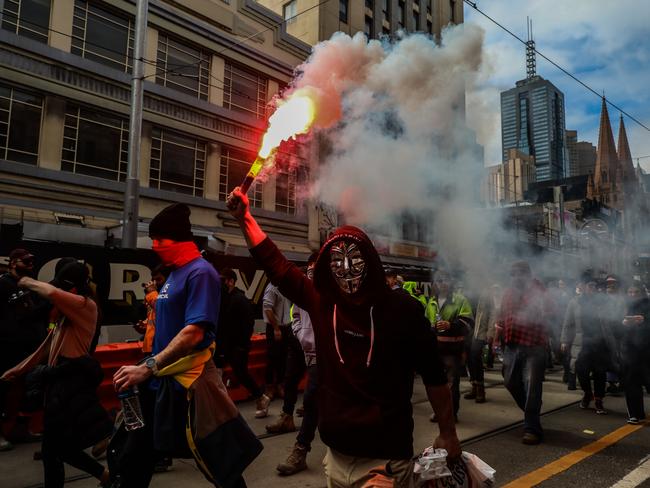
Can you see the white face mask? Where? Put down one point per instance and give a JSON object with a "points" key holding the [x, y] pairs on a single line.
{"points": [[348, 266]]}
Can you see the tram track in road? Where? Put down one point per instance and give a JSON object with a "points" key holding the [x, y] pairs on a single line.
{"points": [[419, 402]]}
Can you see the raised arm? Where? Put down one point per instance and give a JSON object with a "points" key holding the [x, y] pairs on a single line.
{"points": [[239, 207], [289, 279]]}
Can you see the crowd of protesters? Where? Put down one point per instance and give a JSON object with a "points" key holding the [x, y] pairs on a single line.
{"points": [[358, 332]]}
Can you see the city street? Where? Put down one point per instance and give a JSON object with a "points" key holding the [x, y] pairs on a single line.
{"points": [[580, 449]]}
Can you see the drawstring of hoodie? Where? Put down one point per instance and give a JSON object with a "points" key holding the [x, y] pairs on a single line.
{"points": [[372, 338]]}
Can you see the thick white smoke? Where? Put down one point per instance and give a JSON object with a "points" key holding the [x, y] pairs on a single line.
{"points": [[393, 120]]}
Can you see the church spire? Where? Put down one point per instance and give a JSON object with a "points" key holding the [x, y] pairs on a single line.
{"points": [[624, 154], [607, 159]]}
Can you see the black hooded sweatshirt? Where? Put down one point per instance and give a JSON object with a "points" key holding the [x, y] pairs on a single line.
{"points": [[367, 372]]}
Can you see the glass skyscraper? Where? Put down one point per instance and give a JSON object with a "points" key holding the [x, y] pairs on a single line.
{"points": [[532, 121]]}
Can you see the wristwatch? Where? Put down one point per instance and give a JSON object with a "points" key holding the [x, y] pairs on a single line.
{"points": [[150, 363]]}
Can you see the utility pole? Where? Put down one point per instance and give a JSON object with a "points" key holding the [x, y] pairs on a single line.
{"points": [[132, 193]]}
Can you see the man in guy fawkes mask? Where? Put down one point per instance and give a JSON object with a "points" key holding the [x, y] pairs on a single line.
{"points": [[369, 341]]}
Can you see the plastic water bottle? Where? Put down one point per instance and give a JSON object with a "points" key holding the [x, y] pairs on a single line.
{"points": [[131, 409]]}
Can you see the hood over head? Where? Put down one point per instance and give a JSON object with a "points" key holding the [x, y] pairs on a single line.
{"points": [[374, 281]]}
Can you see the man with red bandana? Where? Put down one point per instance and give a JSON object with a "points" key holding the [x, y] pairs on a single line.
{"points": [[370, 340], [179, 381]]}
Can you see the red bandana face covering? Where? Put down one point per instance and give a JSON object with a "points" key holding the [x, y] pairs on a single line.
{"points": [[177, 254]]}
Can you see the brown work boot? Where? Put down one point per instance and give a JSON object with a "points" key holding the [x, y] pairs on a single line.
{"points": [[262, 407], [472, 394], [531, 439], [282, 425], [480, 393], [296, 462], [269, 391]]}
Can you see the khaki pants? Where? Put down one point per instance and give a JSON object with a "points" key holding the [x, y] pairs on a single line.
{"points": [[353, 472]]}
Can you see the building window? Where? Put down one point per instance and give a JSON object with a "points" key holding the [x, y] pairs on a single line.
{"points": [[95, 143], [343, 11], [289, 11], [452, 11], [177, 162], [20, 125], [370, 4], [428, 6], [416, 21], [400, 14], [29, 18], [429, 27], [385, 10], [182, 67], [244, 91], [102, 36], [285, 192], [368, 27], [235, 163]]}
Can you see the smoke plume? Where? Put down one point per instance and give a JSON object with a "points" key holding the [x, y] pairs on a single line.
{"points": [[392, 119]]}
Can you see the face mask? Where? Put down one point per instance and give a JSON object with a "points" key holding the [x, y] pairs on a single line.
{"points": [[176, 254], [348, 266]]}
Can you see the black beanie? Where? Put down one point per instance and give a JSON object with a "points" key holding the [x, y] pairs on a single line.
{"points": [[173, 223]]}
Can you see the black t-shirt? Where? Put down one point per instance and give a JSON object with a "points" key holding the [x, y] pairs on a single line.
{"points": [[236, 321], [23, 314]]}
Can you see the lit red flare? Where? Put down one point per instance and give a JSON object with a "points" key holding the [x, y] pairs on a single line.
{"points": [[293, 116]]}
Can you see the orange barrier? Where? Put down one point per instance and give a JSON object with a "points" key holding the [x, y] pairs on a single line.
{"points": [[112, 356]]}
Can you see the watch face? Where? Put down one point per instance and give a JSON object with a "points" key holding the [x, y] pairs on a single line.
{"points": [[150, 363]]}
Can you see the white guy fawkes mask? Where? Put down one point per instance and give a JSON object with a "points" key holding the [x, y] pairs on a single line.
{"points": [[348, 266]]}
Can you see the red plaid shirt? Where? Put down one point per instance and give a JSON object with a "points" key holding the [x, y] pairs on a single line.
{"points": [[524, 314]]}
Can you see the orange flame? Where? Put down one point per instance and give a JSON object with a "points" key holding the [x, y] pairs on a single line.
{"points": [[293, 117]]}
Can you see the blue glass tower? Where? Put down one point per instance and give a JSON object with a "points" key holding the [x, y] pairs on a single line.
{"points": [[533, 122]]}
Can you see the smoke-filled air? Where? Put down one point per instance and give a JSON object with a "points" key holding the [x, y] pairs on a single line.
{"points": [[396, 145]]}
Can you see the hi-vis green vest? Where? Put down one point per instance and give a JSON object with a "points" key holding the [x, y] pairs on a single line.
{"points": [[458, 307], [410, 286]]}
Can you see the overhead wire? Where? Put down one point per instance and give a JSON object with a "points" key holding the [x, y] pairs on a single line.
{"points": [[565, 71]]}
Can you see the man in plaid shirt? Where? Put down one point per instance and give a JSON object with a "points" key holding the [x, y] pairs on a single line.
{"points": [[524, 332]]}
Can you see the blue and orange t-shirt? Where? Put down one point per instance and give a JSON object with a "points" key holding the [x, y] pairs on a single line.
{"points": [[191, 295]]}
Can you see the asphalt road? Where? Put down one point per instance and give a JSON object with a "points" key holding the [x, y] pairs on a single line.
{"points": [[580, 449]]}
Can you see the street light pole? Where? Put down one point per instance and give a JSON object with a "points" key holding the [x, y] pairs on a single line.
{"points": [[131, 195]]}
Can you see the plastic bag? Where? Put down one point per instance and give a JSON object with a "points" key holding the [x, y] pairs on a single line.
{"points": [[431, 471]]}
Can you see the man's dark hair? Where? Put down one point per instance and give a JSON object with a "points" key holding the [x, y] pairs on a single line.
{"points": [[390, 272], [228, 274]]}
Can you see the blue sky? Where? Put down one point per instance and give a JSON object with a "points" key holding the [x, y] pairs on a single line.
{"points": [[604, 43]]}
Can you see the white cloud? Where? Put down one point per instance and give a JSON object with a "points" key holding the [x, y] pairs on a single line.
{"points": [[604, 43]]}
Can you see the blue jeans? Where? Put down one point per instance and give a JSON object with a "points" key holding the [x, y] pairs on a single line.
{"points": [[523, 376]]}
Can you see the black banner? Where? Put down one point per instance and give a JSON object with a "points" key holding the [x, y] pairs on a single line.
{"points": [[119, 273]]}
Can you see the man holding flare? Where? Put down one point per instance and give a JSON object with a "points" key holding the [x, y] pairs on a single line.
{"points": [[370, 341]]}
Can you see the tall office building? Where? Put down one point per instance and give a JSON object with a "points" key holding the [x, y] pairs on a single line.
{"points": [[572, 150], [582, 155], [586, 159], [374, 17], [532, 121]]}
